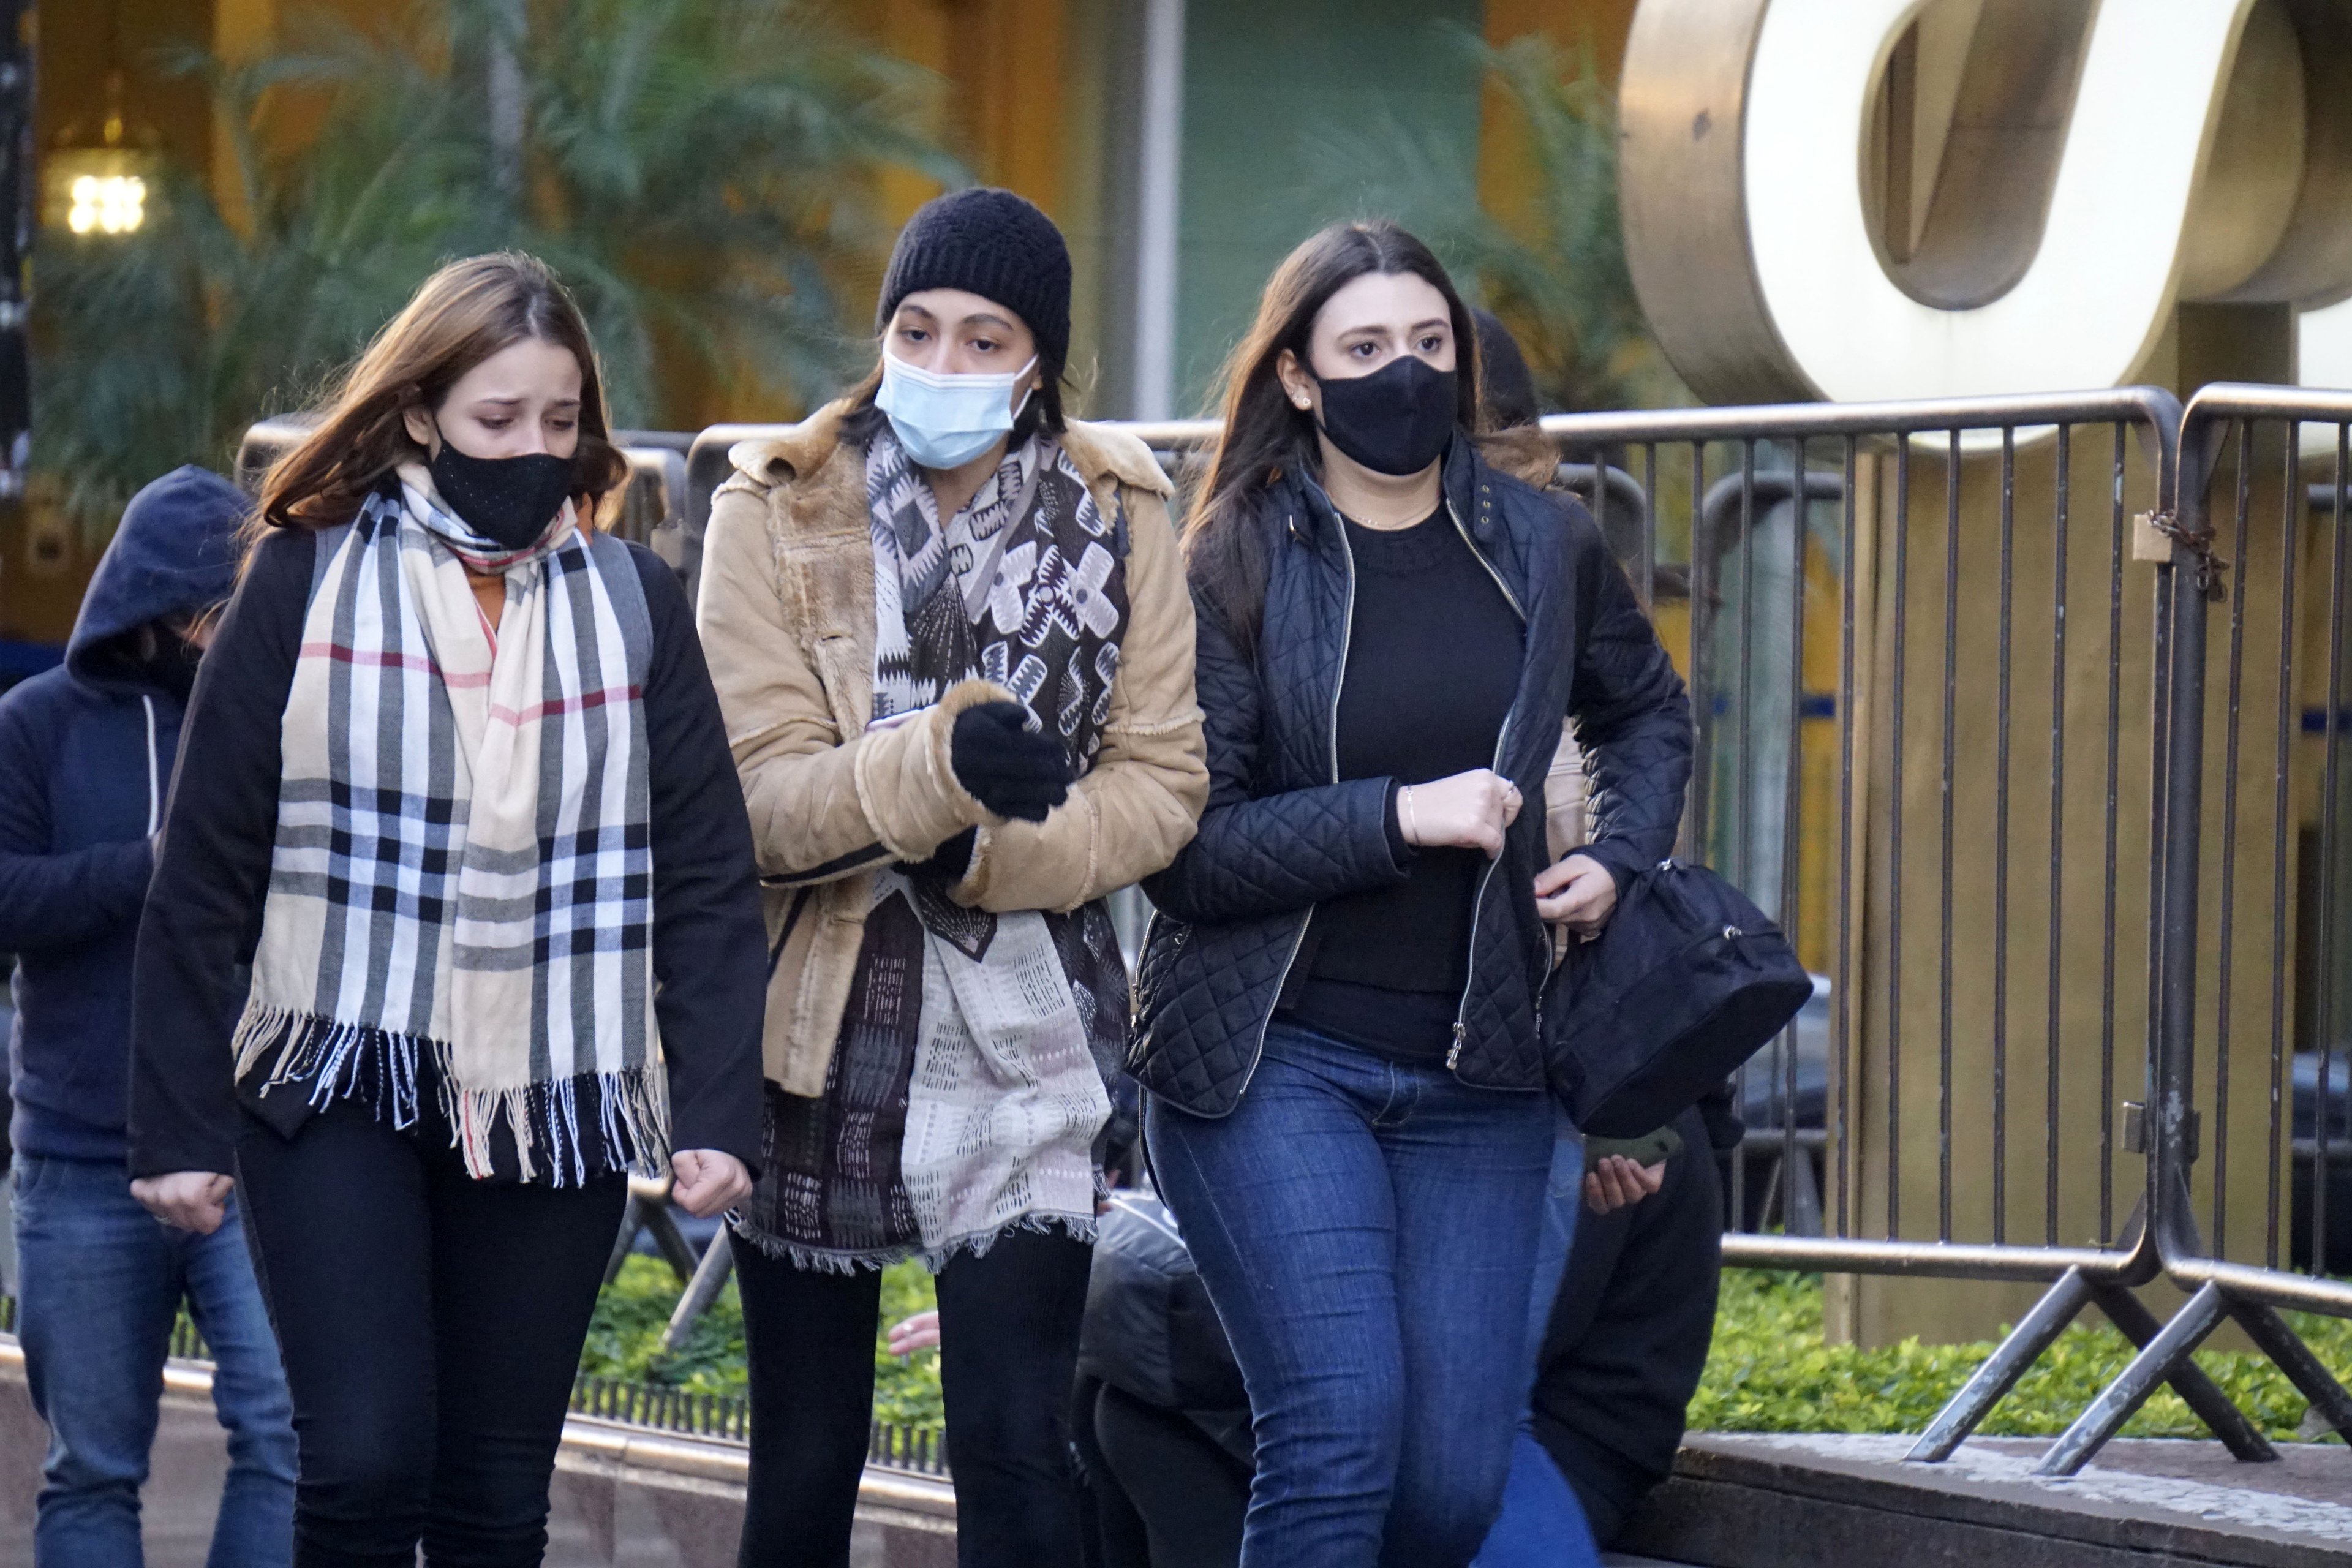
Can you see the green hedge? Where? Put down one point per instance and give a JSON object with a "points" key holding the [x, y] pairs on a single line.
{"points": [[1769, 1369], [625, 1340], [1770, 1372]]}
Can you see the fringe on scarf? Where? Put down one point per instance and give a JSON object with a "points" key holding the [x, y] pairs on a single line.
{"points": [[378, 1068], [819, 1260]]}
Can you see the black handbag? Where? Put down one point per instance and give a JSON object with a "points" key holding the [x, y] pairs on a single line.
{"points": [[1685, 982]]}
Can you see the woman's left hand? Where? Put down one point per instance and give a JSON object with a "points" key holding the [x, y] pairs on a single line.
{"points": [[1577, 893], [704, 1181]]}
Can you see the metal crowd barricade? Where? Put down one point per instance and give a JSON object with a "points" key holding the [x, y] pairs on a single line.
{"points": [[1722, 488], [2254, 889]]}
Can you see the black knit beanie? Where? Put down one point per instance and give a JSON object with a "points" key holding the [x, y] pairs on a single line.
{"points": [[993, 244]]}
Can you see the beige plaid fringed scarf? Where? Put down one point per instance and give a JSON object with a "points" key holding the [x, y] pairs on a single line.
{"points": [[463, 863]]}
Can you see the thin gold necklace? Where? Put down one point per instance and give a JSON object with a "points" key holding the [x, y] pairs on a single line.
{"points": [[1387, 526]]}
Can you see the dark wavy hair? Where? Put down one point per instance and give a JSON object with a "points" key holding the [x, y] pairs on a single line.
{"points": [[1266, 436], [459, 317]]}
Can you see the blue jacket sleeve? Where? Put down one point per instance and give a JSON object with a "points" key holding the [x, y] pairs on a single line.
{"points": [[48, 899], [1264, 855]]}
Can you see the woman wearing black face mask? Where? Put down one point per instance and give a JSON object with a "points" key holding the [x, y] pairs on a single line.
{"points": [[1338, 1009], [454, 783]]}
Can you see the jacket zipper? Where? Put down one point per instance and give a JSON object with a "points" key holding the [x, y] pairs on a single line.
{"points": [[154, 772], [1478, 906], [1480, 556], [1347, 639]]}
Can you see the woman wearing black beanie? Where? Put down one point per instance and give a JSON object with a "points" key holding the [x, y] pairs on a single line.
{"points": [[954, 647]]}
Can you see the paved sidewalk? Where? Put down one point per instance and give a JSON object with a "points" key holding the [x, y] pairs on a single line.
{"points": [[622, 1495], [619, 1500]]}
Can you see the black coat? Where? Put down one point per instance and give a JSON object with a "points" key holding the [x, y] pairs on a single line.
{"points": [[1281, 833]]}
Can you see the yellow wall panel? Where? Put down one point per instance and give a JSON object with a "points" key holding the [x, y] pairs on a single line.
{"points": [[921, 32], [1506, 175]]}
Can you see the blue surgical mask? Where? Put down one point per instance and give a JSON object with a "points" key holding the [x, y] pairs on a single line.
{"points": [[944, 421]]}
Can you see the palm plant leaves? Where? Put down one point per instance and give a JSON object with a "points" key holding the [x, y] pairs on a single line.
{"points": [[1556, 273], [1561, 282], [698, 171]]}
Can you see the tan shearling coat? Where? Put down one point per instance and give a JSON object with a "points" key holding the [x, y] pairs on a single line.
{"points": [[786, 613]]}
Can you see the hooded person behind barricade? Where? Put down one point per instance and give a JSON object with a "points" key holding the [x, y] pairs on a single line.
{"points": [[89, 748]]}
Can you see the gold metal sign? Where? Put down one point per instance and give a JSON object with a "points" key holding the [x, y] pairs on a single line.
{"points": [[1857, 199]]}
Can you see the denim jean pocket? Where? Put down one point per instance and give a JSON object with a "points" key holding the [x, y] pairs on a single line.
{"points": [[25, 1173]]}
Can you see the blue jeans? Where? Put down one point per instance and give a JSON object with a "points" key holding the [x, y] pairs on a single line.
{"points": [[1543, 1525], [1563, 1201], [102, 1280], [1368, 1232]]}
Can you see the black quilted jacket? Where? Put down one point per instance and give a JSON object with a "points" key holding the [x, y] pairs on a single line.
{"points": [[1281, 833]]}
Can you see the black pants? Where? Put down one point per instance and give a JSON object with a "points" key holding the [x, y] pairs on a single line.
{"points": [[1166, 1494], [431, 1327], [1008, 1349]]}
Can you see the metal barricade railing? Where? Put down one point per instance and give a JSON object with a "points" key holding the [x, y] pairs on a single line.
{"points": [[2036, 629], [2255, 911], [1775, 603]]}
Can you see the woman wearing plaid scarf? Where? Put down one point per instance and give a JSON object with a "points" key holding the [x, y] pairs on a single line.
{"points": [[454, 785], [954, 649]]}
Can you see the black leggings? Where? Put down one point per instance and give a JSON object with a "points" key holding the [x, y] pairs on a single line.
{"points": [[431, 1327], [1008, 1349]]}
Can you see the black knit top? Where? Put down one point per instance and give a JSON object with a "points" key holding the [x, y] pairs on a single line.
{"points": [[1434, 656]]}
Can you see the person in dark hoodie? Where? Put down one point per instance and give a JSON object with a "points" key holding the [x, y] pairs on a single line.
{"points": [[85, 760]]}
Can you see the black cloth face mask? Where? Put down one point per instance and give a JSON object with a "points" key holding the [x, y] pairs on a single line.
{"points": [[1397, 420], [508, 500]]}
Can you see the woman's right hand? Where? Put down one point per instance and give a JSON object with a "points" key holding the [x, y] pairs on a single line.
{"points": [[919, 1333], [190, 1200], [1615, 1182], [1469, 811]]}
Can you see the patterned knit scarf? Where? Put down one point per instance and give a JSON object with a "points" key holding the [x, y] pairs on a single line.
{"points": [[463, 863], [1004, 1100]]}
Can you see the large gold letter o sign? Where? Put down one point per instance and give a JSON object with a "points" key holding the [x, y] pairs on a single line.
{"points": [[1885, 198]]}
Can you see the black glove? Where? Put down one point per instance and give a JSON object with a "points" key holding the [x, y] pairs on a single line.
{"points": [[951, 860], [1007, 769]]}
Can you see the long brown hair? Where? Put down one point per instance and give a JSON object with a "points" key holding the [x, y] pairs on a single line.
{"points": [[459, 317], [1265, 435]]}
